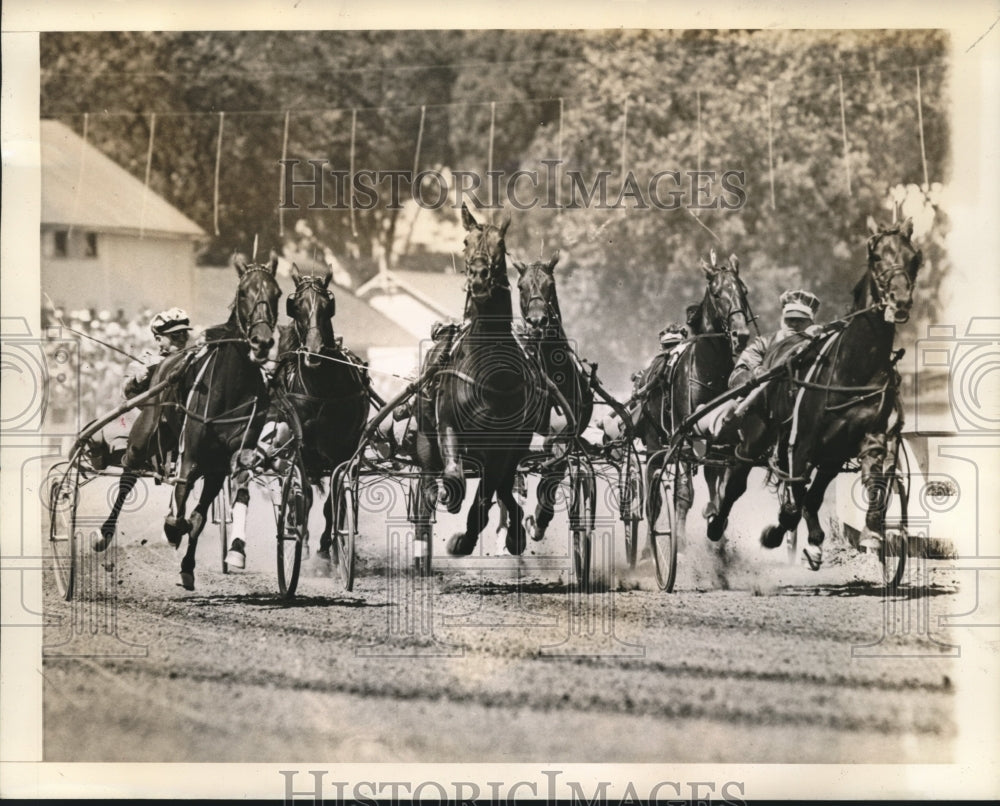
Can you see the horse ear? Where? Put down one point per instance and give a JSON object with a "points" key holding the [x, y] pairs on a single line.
{"points": [[327, 277], [239, 263], [274, 263], [504, 222], [872, 226], [553, 260], [713, 258], [294, 274], [709, 271], [907, 228], [468, 221], [521, 268], [735, 263]]}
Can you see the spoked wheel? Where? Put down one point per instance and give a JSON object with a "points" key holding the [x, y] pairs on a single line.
{"points": [[292, 528], [895, 538], [631, 509], [662, 535], [64, 496], [581, 521], [222, 516], [345, 527]]}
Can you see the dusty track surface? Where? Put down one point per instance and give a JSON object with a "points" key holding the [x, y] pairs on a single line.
{"points": [[494, 658]]}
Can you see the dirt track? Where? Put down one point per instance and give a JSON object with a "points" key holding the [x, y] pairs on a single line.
{"points": [[496, 659]]}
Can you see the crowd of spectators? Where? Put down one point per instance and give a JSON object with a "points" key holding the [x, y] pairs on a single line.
{"points": [[87, 352]]}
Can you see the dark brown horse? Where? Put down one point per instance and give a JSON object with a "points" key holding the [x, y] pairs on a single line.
{"points": [[485, 405], [571, 404], [326, 386], [674, 387], [226, 403], [836, 403]]}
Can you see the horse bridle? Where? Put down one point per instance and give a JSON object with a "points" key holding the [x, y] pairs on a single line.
{"points": [[316, 285], [883, 278], [744, 303], [550, 311], [267, 319], [492, 262]]}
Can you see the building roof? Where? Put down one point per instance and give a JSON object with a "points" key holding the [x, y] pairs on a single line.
{"points": [[441, 292], [82, 187]]}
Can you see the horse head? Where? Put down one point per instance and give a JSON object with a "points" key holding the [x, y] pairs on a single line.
{"points": [[893, 262], [537, 286], [256, 306], [311, 308], [725, 307], [485, 256]]}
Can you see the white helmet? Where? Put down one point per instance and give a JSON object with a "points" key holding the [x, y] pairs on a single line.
{"points": [[171, 321]]}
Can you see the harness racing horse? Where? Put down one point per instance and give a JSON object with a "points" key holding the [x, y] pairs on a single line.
{"points": [[485, 406], [325, 385], [698, 372], [226, 403], [835, 403], [571, 404]]}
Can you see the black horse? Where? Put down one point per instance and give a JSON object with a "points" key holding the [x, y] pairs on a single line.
{"points": [[675, 386], [485, 405], [325, 385], [226, 403], [568, 411], [836, 403]]}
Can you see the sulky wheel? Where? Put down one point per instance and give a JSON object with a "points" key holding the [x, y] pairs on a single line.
{"points": [[64, 496], [895, 538], [222, 516], [631, 507], [581, 520], [345, 526], [292, 527], [662, 535]]}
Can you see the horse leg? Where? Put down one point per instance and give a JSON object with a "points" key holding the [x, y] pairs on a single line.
{"points": [[810, 509], [209, 490], [126, 484], [683, 497], [425, 496], [548, 486], [516, 534], [326, 539], [237, 555], [876, 484], [736, 485], [453, 478], [475, 522], [789, 514], [174, 524], [713, 480], [653, 501]]}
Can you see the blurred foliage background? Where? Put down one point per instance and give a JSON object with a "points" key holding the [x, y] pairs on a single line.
{"points": [[827, 127]]}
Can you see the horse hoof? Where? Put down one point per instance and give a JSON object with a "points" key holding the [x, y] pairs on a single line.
{"points": [[452, 493], [716, 528], [456, 545], [187, 580], [102, 542], [516, 542], [813, 555], [236, 557], [772, 536], [174, 529], [531, 528], [709, 512]]}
